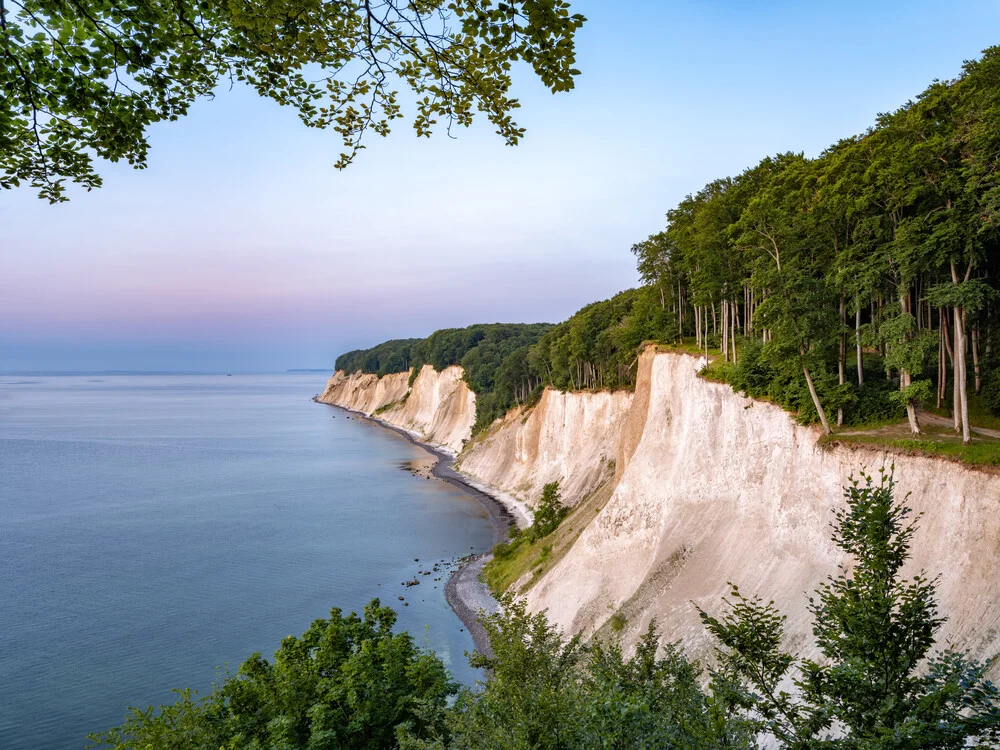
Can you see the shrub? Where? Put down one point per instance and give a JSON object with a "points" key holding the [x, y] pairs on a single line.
{"points": [[549, 513]]}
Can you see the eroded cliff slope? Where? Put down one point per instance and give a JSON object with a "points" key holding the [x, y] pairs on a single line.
{"points": [[709, 487], [570, 438], [438, 409], [714, 487]]}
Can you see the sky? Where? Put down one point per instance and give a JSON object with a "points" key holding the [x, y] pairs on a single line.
{"points": [[241, 248]]}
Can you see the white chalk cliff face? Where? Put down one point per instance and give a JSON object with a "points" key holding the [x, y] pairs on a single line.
{"points": [[439, 409], [715, 487], [709, 487], [570, 438], [365, 393]]}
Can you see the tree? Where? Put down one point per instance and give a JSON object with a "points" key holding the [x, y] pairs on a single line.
{"points": [[778, 227], [550, 692], [347, 682], [878, 685], [549, 512], [86, 78]]}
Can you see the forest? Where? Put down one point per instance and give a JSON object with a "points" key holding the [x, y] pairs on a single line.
{"points": [[855, 288], [798, 269]]}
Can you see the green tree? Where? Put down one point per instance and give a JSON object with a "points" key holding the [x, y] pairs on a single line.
{"points": [[878, 684], [550, 692], [85, 78], [778, 227], [549, 512], [347, 682]]}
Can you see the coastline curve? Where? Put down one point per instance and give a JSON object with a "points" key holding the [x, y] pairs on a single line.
{"points": [[465, 593]]}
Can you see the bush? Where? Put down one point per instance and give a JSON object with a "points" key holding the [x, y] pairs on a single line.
{"points": [[876, 402], [549, 692], [878, 684], [549, 513], [347, 682]]}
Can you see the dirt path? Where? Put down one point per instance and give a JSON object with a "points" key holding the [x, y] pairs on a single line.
{"points": [[901, 430], [945, 422]]}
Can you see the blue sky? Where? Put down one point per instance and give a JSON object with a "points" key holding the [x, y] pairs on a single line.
{"points": [[241, 248]]}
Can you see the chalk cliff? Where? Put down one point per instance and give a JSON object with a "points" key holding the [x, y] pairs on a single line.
{"points": [[570, 438], [709, 487], [714, 487], [438, 409]]}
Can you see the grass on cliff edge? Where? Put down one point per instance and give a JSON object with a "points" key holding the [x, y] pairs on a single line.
{"points": [[522, 562], [892, 432], [932, 442]]}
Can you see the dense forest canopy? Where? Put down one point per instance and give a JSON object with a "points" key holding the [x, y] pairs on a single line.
{"points": [[884, 245], [851, 288]]}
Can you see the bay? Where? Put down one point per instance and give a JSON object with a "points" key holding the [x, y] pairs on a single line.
{"points": [[155, 528]]}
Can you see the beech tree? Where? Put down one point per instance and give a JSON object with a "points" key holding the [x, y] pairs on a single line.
{"points": [[86, 78], [885, 249], [896, 227]]}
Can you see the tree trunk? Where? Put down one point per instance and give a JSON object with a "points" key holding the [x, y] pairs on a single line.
{"points": [[956, 376], [857, 343], [697, 326], [966, 427], [961, 388], [961, 374], [942, 371], [905, 378], [911, 410], [680, 312], [736, 322], [725, 331], [815, 396], [842, 356], [975, 357], [949, 353]]}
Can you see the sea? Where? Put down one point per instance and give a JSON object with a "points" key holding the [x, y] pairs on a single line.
{"points": [[156, 530]]}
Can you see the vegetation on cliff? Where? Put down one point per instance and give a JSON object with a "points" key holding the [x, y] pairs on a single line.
{"points": [[877, 682], [350, 682], [853, 289], [493, 356], [347, 682], [887, 243]]}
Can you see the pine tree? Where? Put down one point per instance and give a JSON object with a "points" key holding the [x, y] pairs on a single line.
{"points": [[877, 684]]}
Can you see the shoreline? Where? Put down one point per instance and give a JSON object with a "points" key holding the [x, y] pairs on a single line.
{"points": [[465, 593]]}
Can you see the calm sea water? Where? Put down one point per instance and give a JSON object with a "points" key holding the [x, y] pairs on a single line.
{"points": [[154, 528]]}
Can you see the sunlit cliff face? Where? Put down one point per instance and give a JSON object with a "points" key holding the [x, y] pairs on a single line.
{"points": [[438, 409], [709, 487]]}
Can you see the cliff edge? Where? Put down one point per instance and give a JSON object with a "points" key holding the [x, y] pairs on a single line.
{"points": [[715, 487], [704, 487], [438, 409]]}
